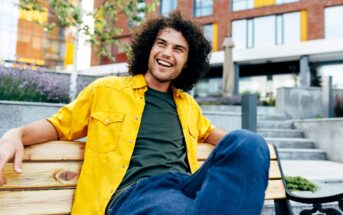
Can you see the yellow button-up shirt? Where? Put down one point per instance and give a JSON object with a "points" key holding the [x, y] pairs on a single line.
{"points": [[109, 112]]}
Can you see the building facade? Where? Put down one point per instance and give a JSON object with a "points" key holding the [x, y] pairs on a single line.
{"points": [[277, 42], [25, 43]]}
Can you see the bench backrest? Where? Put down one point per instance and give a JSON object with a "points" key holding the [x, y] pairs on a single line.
{"points": [[51, 170]]}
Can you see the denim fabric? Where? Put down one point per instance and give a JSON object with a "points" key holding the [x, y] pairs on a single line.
{"points": [[232, 181]]}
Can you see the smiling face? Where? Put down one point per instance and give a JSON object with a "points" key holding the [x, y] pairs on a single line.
{"points": [[167, 58]]}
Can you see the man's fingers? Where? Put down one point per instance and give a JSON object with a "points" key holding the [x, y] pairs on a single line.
{"points": [[18, 160], [2, 179]]}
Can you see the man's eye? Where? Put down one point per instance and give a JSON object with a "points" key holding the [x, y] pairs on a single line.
{"points": [[178, 50], [160, 43]]}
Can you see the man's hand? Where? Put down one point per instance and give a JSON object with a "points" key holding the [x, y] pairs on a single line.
{"points": [[11, 146]]}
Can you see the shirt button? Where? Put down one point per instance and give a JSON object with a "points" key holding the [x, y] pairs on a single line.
{"points": [[136, 118], [123, 166], [130, 141], [107, 120], [141, 97]]}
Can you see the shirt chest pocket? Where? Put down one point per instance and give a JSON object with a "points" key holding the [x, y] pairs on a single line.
{"points": [[104, 130]]}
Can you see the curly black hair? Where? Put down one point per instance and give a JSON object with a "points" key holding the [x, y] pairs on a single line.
{"points": [[199, 48]]}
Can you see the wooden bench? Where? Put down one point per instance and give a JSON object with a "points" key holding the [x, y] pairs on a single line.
{"points": [[51, 170]]}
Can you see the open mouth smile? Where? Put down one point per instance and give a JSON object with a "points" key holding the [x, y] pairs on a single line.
{"points": [[164, 63]]}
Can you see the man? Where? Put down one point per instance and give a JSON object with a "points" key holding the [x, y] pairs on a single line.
{"points": [[142, 134]]}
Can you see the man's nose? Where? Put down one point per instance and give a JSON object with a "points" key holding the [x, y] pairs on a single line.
{"points": [[167, 52]]}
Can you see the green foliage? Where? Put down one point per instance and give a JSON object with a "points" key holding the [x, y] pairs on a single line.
{"points": [[105, 33], [298, 183]]}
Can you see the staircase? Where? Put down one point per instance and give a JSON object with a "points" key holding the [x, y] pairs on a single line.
{"points": [[291, 143], [298, 154], [299, 157]]}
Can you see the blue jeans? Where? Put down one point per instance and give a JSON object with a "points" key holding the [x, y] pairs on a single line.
{"points": [[232, 181]]}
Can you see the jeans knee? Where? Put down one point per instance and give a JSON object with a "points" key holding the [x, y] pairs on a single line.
{"points": [[249, 144]]}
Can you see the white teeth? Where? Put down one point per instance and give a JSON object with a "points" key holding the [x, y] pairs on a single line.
{"points": [[164, 63]]}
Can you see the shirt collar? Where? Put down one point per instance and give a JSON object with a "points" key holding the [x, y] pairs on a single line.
{"points": [[138, 81]]}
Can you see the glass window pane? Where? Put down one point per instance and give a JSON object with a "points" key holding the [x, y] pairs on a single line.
{"points": [[334, 22], [242, 5], [239, 33], [264, 32], [279, 30], [208, 32], [285, 1], [292, 28], [203, 7], [250, 33], [167, 6]]}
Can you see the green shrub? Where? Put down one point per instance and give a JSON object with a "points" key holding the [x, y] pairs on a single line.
{"points": [[298, 183]]}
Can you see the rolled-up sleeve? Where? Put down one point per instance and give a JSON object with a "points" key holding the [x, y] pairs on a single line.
{"points": [[71, 121], [204, 125]]}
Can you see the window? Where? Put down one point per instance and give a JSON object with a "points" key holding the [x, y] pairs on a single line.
{"points": [[8, 29], [167, 6], [291, 28], [334, 22], [211, 33], [264, 32], [239, 29], [250, 4], [242, 4], [285, 1], [203, 7], [267, 31]]}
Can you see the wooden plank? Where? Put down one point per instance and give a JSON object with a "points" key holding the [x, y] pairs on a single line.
{"points": [[42, 175], [272, 152], [55, 150], [36, 202], [275, 190], [274, 170]]}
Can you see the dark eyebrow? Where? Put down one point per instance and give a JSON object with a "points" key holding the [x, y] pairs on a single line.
{"points": [[176, 45]]}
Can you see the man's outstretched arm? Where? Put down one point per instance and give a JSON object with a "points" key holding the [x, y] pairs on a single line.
{"points": [[13, 141]]}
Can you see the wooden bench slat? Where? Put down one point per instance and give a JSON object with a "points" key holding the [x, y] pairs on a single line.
{"points": [[275, 190], [274, 170], [36, 202], [51, 169], [45, 175], [55, 150]]}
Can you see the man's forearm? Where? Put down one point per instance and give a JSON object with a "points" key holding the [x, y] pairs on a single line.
{"points": [[216, 135], [37, 132]]}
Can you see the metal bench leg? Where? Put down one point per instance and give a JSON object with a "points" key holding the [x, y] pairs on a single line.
{"points": [[283, 207]]}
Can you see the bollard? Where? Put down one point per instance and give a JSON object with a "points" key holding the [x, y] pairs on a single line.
{"points": [[249, 112], [327, 97]]}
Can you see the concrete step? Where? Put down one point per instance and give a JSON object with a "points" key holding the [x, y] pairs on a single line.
{"points": [[302, 154], [275, 124], [271, 117], [291, 142], [288, 133]]}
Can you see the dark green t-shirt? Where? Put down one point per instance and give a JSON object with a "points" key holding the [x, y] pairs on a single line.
{"points": [[160, 145]]}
